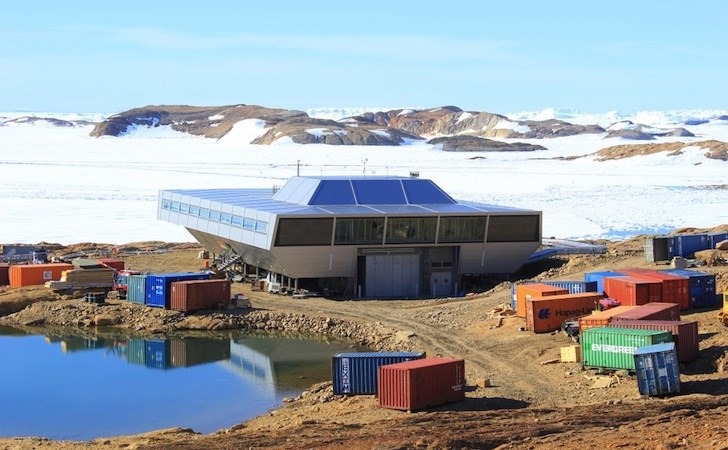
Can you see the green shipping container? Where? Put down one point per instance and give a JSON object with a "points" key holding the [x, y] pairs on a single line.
{"points": [[136, 351], [136, 289], [613, 348]]}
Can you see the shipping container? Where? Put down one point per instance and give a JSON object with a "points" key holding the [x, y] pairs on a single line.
{"points": [[701, 287], [651, 311], [613, 348], [35, 274], [415, 385], [116, 264], [657, 369], [199, 294], [715, 238], [688, 244], [534, 290], [159, 286], [4, 274], [195, 351], [574, 287], [598, 278], [136, 289], [546, 314], [660, 248], [684, 334], [357, 373], [136, 351], [157, 354], [633, 291], [601, 318], [675, 288]]}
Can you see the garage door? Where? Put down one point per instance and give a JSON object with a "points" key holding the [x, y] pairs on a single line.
{"points": [[393, 276]]}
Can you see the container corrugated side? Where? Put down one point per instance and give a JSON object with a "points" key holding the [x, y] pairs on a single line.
{"points": [[195, 295], [675, 288], [4, 274], [613, 348], [136, 289], [415, 385], [547, 314], [652, 311], [684, 334], [715, 238], [157, 355], [633, 291], [35, 274], [158, 286], [688, 244], [701, 287], [574, 287], [657, 369], [136, 351], [601, 318], [598, 278], [195, 351], [534, 290], [358, 373]]}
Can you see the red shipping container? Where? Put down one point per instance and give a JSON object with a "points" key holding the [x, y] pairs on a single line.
{"points": [[4, 274], [116, 264], [546, 314], [651, 311], [36, 274], [193, 295], [633, 291], [534, 290], [415, 385], [601, 318], [685, 334], [675, 289]]}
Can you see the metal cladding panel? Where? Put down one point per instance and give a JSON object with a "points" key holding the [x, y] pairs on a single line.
{"points": [[415, 385], [599, 277], [425, 192], [601, 318], [195, 351], [688, 244], [136, 351], [534, 290], [157, 355], [199, 294], [35, 274], [715, 238], [633, 291], [158, 286], [652, 311], [137, 289], [358, 373], [613, 348], [4, 274], [701, 287], [684, 334], [333, 192], [675, 288], [546, 314], [379, 192], [657, 369]]}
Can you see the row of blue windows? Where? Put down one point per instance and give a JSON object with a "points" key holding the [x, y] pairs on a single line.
{"points": [[216, 216]]}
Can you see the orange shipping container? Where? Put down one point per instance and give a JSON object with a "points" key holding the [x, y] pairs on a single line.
{"points": [[675, 289], [193, 295], [534, 290], [601, 318], [35, 274], [547, 313], [633, 291]]}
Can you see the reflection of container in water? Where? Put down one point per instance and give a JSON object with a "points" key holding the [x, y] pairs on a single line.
{"points": [[157, 354], [195, 351]]}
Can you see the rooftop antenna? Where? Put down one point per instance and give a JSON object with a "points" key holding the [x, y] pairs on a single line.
{"points": [[298, 168], [364, 161]]}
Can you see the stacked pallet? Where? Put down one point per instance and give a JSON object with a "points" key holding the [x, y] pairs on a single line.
{"points": [[84, 278]]}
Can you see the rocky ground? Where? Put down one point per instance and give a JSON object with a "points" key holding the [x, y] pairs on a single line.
{"points": [[532, 402]]}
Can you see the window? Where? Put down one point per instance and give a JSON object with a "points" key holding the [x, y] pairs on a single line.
{"points": [[184, 208], [175, 206], [226, 218], [411, 230], [204, 213], [237, 221], [359, 231], [249, 224], [300, 232], [461, 229], [194, 211], [513, 229], [166, 204], [215, 215], [261, 227]]}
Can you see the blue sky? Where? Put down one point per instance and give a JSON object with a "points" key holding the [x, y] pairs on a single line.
{"points": [[501, 56]]}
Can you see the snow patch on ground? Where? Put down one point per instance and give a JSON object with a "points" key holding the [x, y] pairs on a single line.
{"points": [[381, 133], [159, 132], [463, 116], [509, 125], [216, 117], [319, 132], [245, 132]]}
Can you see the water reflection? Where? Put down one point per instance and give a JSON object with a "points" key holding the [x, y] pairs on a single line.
{"points": [[107, 384]]}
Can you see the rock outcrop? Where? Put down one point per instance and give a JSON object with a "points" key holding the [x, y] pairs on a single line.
{"points": [[306, 130], [629, 130], [477, 144], [49, 120], [713, 150]]}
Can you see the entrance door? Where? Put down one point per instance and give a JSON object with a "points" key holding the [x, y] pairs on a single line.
{"points": [[441, 284], [395, 275]]}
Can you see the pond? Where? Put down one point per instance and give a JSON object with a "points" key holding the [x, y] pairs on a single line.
{"points": [[66, 386]]}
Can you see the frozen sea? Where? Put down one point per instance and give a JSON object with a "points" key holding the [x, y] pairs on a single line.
{"points": [[58, 184]]}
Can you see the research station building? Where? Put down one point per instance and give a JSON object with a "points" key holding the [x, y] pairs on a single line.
{"points": [[367, 236]]}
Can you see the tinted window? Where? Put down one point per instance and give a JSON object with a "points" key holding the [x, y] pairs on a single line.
{"points": [[359, 231], [513, 229], [411, 229], [295, 232], [461, 229]]}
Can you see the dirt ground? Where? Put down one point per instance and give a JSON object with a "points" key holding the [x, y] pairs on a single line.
{"points": [[531, 403]]}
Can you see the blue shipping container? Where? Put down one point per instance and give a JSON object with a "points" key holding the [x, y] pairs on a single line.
{"points": [[157, 355], [159, 286], [701, 287], [688, 244], [657, 369], [136, 289], [714, 238], [358, 373], [598, 278], [574, 287]]}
